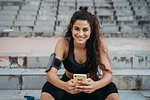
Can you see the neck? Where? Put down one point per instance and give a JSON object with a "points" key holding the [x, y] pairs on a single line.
{"points": [[79, 46]]}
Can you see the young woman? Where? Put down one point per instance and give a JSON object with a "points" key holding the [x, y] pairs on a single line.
{"points": [[82, 51]]}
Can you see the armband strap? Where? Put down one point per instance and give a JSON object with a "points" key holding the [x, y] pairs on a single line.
{"points": [[53, 62]]}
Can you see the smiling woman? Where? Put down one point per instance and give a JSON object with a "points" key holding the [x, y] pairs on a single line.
{"points": [[82, 51]]}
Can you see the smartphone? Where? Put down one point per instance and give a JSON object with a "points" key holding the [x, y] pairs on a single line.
{"points": [[79, 77]]}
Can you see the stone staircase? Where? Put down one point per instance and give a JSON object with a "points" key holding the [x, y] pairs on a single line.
{"points": [[29, 30], [23, 62], [45, 18]]}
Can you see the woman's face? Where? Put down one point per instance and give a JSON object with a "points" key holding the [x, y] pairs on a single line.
{"points": [[81, 31]]}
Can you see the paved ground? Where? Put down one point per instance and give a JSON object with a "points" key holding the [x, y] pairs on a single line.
{"points": [[19, 95], [30, 46]]}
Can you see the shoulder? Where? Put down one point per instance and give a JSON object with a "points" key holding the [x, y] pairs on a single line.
{"points": [[63, 42], [61, 47]]}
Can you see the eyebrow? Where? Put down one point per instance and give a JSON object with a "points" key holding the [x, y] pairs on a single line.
{"points": [[83, 27]]}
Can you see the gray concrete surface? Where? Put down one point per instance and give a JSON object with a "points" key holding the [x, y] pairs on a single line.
{"points": [[15, 94], [129, 17], [22, 79], [31, 52], [23, 62]]}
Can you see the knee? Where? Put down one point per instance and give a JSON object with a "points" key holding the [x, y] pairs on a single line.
{"points": [[113, 96], [46, 96]]}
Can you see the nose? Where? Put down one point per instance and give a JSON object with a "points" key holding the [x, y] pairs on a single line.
{"points": [[81, 33]]}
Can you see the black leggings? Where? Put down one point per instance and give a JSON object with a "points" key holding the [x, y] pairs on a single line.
{"points": [[59, 94]]}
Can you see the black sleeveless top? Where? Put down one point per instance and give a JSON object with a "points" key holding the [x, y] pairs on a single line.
{"points": [[71, 65]]}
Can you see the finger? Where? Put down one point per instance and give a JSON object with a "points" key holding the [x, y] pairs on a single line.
{"points": [[72, 80], [82, 82], [72, 88], [84, 87], [85, 90], [85, 83], [71, 84], [89, 79], [75, 91]]}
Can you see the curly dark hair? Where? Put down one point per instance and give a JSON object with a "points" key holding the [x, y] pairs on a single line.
{"points": [[93, 44]]}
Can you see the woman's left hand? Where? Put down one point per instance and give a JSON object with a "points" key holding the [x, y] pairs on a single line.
{"points": [[87, 86]]}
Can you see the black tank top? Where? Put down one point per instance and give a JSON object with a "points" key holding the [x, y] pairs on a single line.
{"points": [[71, 65]]}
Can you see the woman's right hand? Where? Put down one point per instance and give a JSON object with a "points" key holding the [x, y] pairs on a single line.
{"points": [[70, 87]]}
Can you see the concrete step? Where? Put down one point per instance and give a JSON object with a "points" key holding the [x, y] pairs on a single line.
{"points": [[33, 79], [19, 94], [23, 62], [124, 53]]}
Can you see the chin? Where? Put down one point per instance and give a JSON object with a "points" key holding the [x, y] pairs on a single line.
{"points": [[81, 42]]}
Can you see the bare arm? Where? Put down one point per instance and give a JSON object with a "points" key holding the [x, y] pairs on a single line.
{"points": [[90, 86], [107, 71], [52, 74]]}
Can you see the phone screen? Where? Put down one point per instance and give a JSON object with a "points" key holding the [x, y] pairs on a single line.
{"points": [[79, 77]]}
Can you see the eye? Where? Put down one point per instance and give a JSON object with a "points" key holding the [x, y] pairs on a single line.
{"points": [[85, 29], [76, 28]]}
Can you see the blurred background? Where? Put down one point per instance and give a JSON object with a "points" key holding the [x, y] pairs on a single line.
{"points": [[29, 30], [45, 18]]}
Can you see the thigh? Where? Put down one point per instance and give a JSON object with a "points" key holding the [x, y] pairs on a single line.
{"points": [[113, 96], [91, 96], [105, 91], [46, 96], [57, 93]]}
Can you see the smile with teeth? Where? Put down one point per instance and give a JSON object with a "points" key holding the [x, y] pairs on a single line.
{"points": [[80, 38]]}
